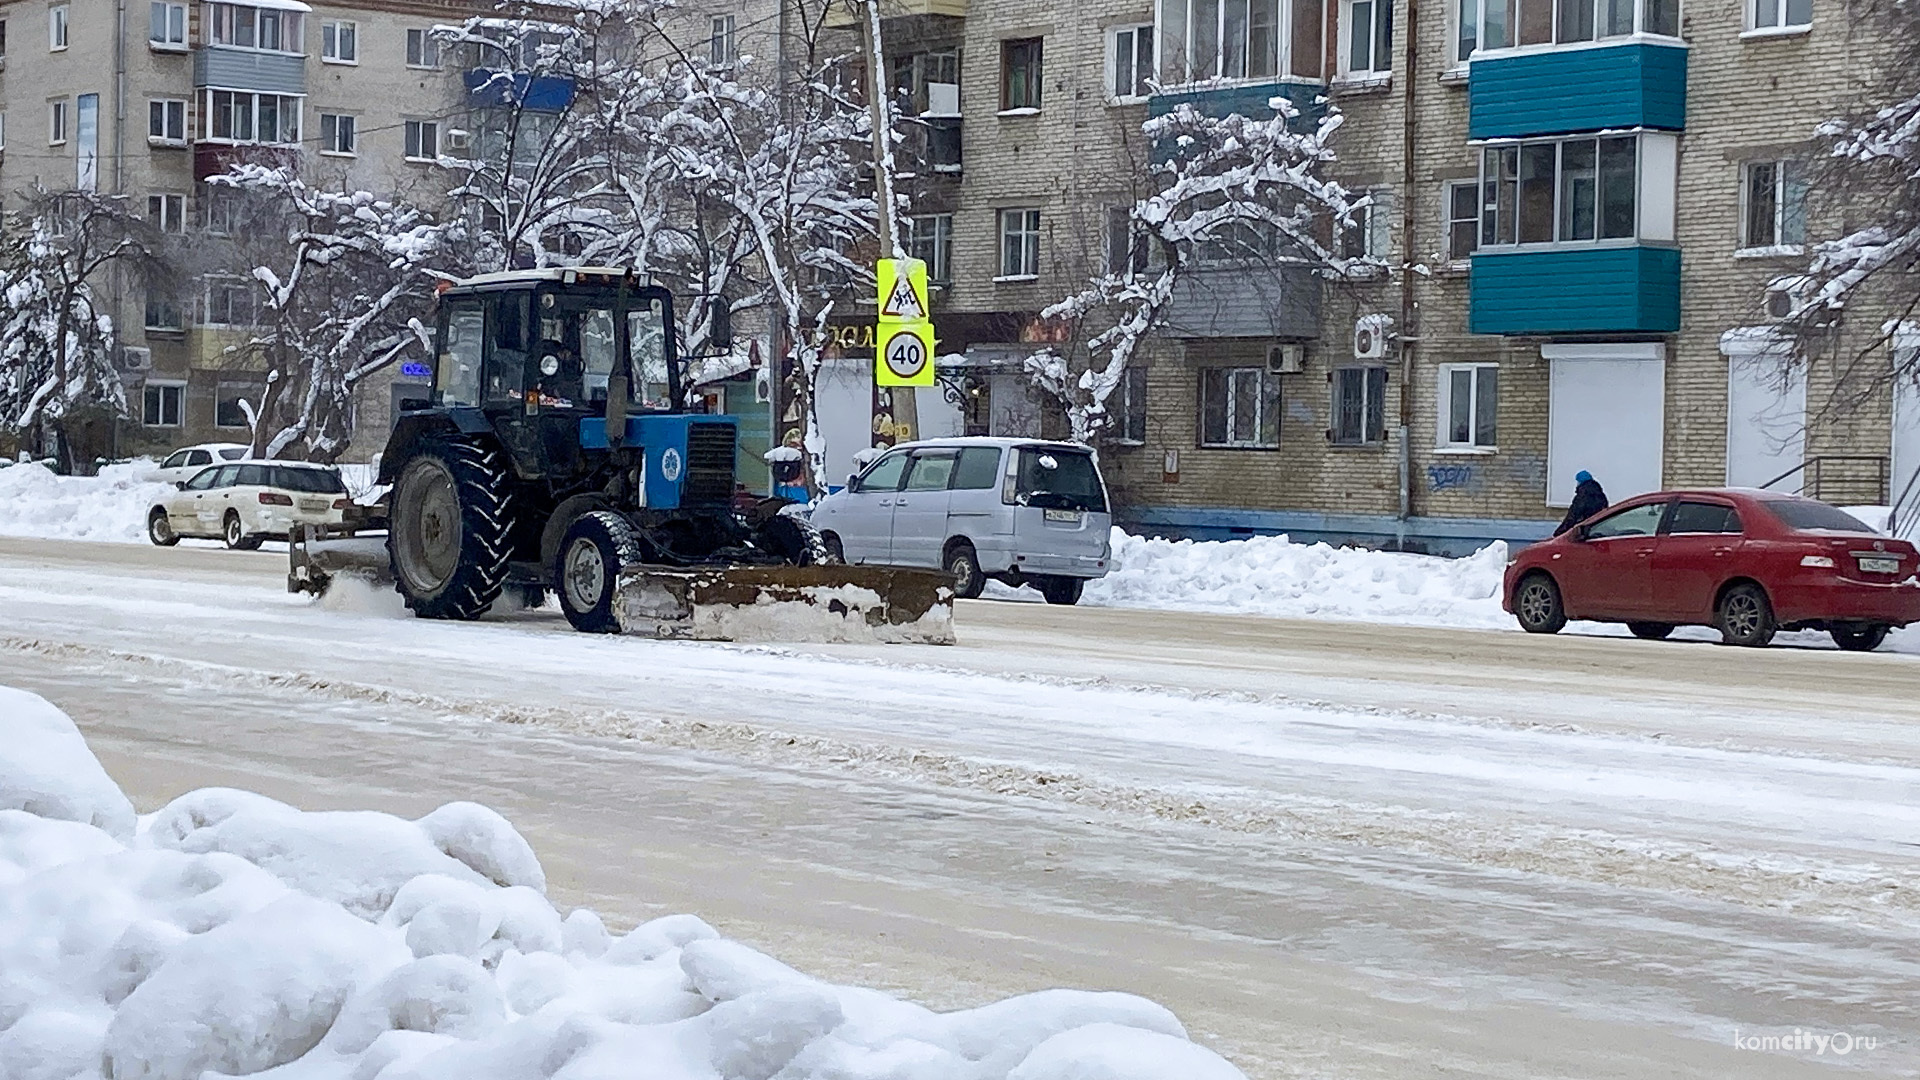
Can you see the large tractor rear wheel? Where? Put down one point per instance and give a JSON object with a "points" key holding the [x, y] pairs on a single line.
{"points": [[596, 547], [449, 535]]}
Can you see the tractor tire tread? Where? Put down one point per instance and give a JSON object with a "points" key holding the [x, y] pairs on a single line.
{"points": [[484, 498]]}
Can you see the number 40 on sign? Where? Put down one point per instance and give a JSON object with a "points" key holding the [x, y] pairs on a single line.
{"points": [[905, 355]]}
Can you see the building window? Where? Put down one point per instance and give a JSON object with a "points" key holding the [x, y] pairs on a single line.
{"points": [[221, 209], [163, 404], [166, 25], [168, 213], [1020, 74], [943, 143], [56, 123], [1359, 405], [1126, 249], [229, 302], [233, 402], [1773, 211], [1131, 67], [1501, 24], [1469, 406], [340, 42], [1779, 14], [56, 27], [1366, 28], [722, 47], [423, 140], [1237, 39], [3, 39], [1127, 407], [336, 134], [1019, 244], [167, 122], [1462, 208], [1239, 407], [163, 313], [1369, 235], [243, 117], [930, 239], [242, 27], [422, 50], [1558, 192]]}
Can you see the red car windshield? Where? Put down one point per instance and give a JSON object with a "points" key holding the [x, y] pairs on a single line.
{"points": [[1808, 515]]}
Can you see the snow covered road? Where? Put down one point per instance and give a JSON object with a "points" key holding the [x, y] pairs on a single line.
{"points": [[1333, 849]]}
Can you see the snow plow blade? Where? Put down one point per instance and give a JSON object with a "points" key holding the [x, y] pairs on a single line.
{"points": [[314, 559], [788, 603]]}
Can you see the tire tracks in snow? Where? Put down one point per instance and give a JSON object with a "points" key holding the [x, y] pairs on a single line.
{"points": [[1869, 894]]}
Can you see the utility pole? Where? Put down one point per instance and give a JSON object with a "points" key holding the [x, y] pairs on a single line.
{"points": [[880, 108]]}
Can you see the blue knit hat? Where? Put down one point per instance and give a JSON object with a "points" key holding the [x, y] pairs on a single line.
{"points": [[1582, 476]]}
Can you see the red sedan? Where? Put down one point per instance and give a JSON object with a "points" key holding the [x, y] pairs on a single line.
{"points": [[1746, 562]]}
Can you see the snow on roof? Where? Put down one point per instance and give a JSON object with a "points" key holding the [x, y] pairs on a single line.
{"points": [[994, 440], [275, 5], [552, 273]]}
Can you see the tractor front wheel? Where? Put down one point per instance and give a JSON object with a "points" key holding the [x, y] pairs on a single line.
{"points": [[596, 547], [449, 535]]}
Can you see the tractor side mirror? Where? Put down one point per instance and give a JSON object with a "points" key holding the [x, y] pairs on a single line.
{"points": [[720, 324]]}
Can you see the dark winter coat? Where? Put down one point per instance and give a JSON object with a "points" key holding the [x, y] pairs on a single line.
{"points": [[1588, 500]]}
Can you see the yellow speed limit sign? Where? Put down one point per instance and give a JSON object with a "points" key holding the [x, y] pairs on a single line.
{"points": [[905, 356]]}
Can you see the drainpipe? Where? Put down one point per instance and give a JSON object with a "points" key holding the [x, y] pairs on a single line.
{"points": [[120, 99], [1409, 197]]}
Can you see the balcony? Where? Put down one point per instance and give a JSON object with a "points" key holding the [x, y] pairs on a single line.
{"points": [[1246, 301], [1592, 88], [249, 69], [1628, 289], [1245, 99], [488, 89]]}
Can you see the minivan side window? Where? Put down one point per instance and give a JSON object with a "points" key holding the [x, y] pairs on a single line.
{"points": [[252, 476], [979, 469], [203, 480], [227, 473], [886, 473], [199, 457], [932, 471]]}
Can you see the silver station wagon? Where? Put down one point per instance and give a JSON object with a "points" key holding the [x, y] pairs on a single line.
{"points": [[1020, 511]]}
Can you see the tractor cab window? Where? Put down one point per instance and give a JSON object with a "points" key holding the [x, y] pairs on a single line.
{"points": [[647, 345], [457, 375]]}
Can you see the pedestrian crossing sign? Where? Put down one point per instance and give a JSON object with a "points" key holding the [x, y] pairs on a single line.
{"points": [[903, 290]]}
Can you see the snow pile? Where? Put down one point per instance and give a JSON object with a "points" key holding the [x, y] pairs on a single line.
{"points": [[37, 502], [232, 935], [1272, 575]]}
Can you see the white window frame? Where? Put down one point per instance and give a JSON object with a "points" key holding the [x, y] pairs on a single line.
{"points": [[1653, 189], [1443, 413], [59, 18], [935, 232], [330, 135], [1374, 223], [179, 389], [1128, 403], [173, 30], [1175, 57], [1123, 249], [1139, 72], [58, 121], [1560, 37], [423, 51], [1462, 29], [1367, 405], [1787, 172], [1448, 221], [171, 109], [167, 211], [1379, 21], [1778, 16], [1019, 226], [723, 43], [253, 99], [414, 136], [330, 39], [222, 19], [206, 309], [3, 131], [1238, 378], [146, 311]]}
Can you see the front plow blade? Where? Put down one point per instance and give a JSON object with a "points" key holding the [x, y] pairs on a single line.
{"points": [[788, 603], [314, 560]]}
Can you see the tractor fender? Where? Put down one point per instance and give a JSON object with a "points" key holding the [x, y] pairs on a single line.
{"points": [[412, 427], [564, 515]]}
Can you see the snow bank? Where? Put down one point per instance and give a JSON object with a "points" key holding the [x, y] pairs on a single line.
{"points": [[234, 935], [1272, 575], [37, 502]]}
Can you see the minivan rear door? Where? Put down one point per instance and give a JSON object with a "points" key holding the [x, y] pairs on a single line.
{"points": [[920, 509], [1060, 503]]}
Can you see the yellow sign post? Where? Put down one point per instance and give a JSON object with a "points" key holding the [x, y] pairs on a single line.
{"points": [[903, 343]]}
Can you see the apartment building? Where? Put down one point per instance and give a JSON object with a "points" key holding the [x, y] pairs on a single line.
{"points": [[150, 100], [1601, 206]]}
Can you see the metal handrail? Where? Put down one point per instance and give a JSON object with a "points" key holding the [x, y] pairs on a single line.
{"points": [[1906, 509], [1817, 469]]}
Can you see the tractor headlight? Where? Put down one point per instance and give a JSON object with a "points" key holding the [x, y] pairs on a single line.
{"points": [[549, 364]]}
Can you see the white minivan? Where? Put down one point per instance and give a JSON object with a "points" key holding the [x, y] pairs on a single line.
{"points": [[1021, 511]]}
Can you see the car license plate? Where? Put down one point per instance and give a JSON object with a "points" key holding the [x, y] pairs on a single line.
{"points": [[1879, 566], [1064, 515], [314, 506]]}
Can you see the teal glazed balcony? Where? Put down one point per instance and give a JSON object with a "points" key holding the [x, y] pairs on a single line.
{"points": [[1587, 88], [1246, 99], [1597, 290]]}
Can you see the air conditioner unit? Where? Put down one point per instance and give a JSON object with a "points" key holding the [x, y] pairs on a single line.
{"points": [[762, 386], [1286, 358], [136, 358], [458, 139], [1370, 337], [943, 99]]}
